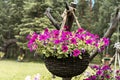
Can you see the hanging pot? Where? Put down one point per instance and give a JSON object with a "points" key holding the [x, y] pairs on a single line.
{"points": [[67, 67]]}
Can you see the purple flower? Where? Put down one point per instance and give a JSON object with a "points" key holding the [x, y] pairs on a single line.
{"points": [[96, 36], [118, 71], [46, 31], [106, 41], [88, 79], [66, 28], [105, 67], [73, 41], [99, 72], [31, 44], [96, 44], [55, 33], [56, 41], [81, 37], [89, 41], [93, 77], [64, 38], [101, 48], [80, 30], [64, 48], [97, 67], [33, 38], [76, 52], [117, 77], [107, 76], [42, 37], [83, 50]]}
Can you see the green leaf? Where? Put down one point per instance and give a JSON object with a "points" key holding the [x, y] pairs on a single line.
{"points": [[80, 56], [47, 54]]}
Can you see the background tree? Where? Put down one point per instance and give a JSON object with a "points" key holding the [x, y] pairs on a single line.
{"points": [[11, 14]]}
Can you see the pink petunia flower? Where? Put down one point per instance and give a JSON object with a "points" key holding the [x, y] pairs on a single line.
{"points": [[76, 52], [73, 41], [64, 48]]}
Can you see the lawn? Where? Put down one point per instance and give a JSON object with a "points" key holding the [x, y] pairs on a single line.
{"points": [[13, 70]]}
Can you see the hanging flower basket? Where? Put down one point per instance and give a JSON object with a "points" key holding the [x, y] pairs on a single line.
{"points": [[66, 53], [67, 67]]}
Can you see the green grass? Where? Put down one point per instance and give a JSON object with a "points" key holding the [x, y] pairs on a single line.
{"points": [[13, 70]]}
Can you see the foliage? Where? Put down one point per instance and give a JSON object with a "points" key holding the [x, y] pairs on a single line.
{"points": [[106, 9], [63, 44], [32, 21]]}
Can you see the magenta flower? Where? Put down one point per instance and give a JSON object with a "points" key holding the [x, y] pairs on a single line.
{"points": [[97, 67], [89, 41], [56, 41], [33, 38], [81, 38], [66, 28], [46, 31], [106, 41], [80, 30], [96, 36], [118, 71], [32, 46], [117, 77], [93, 77], [55, 33], [99, 72], [96, 44], [105, 67], [107, 76], [42, 37], [87, 79], [64, 48], [76, 52], [64, 38], [73, 41]]}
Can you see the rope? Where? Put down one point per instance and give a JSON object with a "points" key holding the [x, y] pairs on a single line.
{"points": [[72, 10], [64, 15], [63, 23], [76, 20]]}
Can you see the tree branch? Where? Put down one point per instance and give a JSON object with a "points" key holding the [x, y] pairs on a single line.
{"points": [[110, 31], [70, 17], [53, 21]]}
